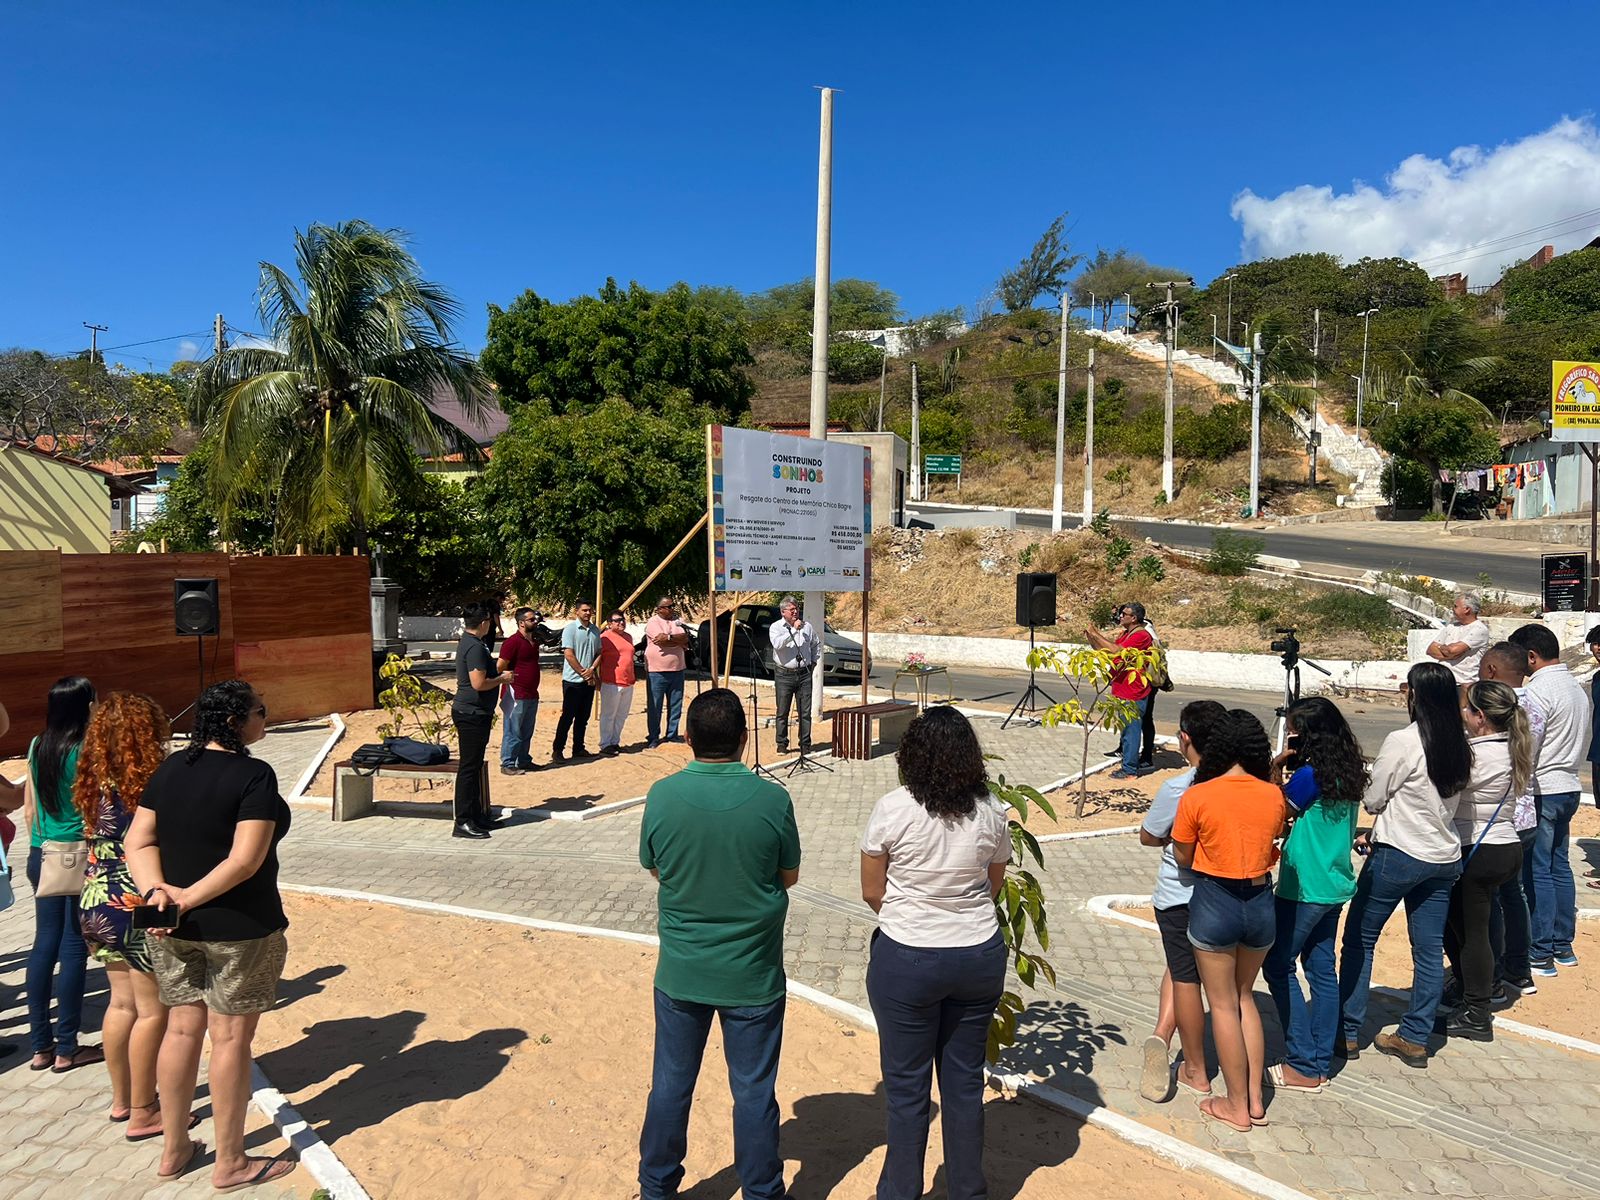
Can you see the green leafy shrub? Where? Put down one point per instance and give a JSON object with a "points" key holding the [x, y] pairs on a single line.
{"points": [[1120, 476], [1118, 551], [1027, 554], [1340, 609], [1102, 611], [1149, 567], [853, 361], [1100, 525], [1233, 553]]}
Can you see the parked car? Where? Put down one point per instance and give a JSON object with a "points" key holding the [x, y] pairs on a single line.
{"points": [[691, 652], [752, 645]]}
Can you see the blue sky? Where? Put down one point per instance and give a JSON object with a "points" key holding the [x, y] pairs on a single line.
{"points": [[153, 154]]}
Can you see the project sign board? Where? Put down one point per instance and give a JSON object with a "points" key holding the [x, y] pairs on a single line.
{"points": [[788, 513], [1575, 402]]}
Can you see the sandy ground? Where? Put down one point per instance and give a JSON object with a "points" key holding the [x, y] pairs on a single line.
{"points": [[1569, 1003], [495, 1083], [574, 784], [1111, 803]]}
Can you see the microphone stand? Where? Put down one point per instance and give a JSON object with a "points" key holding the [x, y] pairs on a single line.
{"points": [[805, 763], [755, 708]]}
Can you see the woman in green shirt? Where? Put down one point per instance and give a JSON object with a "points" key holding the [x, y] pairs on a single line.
{"points": [[1326, 777], [57, 940]]}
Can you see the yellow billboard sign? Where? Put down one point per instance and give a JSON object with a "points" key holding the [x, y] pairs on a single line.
{"points": [[1575, 401]]}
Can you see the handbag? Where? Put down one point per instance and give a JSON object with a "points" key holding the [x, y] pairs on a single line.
{"points": [[62, 867], [417, 753]]}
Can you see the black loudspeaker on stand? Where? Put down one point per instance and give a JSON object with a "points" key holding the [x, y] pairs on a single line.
{"points": [[1036, 605], [196, 614]]}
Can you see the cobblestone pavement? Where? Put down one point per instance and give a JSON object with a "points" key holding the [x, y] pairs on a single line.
{"points": [[55, 1141], [1382, 1129]]}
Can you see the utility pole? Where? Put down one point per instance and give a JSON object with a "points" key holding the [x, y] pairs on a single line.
{"points": [[1316, 350], [94, 338], [821, 293], [1213, 337], [219, 328], [1172, 337], [1127, 313], [1362, 390], [1056, 497], [916, 437], [1255, 429], [883, 378], [1091, 310], [1088, 447], [1229, 278]]}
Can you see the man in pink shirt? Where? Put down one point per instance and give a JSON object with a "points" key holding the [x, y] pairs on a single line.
{"points": [[665, 643], [616, 682]]}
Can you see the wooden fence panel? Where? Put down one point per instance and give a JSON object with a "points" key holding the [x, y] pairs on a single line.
{"points": [[298, 627]]}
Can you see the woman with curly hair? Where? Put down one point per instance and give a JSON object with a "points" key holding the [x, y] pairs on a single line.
{"points": [[1326, 777], [125, 742], [932, 860], [1228, 821], [205, 839]]}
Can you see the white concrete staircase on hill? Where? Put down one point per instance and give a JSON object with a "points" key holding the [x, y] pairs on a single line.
{"points": [[1354, 457]]}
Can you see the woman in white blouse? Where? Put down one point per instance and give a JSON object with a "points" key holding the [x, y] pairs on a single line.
{"points": [[1413, 858], [932, 859], [1502, 764]]}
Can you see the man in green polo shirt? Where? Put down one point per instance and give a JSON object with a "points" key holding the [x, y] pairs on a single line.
{"points": [[723, 844]]}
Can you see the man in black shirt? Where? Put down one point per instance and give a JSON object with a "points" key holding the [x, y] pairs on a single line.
{"points": [[472, 711]]}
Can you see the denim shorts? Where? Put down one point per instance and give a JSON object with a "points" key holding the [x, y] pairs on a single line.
{"points": [[1228, 914]]}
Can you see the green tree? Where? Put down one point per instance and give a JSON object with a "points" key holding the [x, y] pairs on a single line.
{"points": [[648, 348], [87, 409], [329, 418], [188, 517], [437, 546], [617, 483], [1566, 289], [1438, 433], [1109, 275], [1388, 283], [1042, 272]]}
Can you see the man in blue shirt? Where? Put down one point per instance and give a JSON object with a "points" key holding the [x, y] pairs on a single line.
{"points": [[580, 657]]}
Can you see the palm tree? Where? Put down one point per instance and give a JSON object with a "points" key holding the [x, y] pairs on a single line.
{"points": [[330, 417]]}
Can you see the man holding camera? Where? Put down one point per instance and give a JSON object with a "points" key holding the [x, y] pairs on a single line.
{"points": [[794, 654], [1130, 683]]}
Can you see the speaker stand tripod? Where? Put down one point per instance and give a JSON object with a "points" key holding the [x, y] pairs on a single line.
{"points": [[755, 711], [1028, 707]]}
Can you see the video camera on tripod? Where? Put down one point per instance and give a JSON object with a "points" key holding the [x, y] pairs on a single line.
{"points": [[1287, 645]]}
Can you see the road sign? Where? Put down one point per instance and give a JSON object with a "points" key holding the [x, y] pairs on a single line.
{"points": [[1565, 581], [941, 464], [1575, 402]]}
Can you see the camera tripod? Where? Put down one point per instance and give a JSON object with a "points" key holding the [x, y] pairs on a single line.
{"points": [[1027, 708], [1292, 660]]}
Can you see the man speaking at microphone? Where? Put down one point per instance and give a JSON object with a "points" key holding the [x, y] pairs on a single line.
{"points": [[794, 651]]}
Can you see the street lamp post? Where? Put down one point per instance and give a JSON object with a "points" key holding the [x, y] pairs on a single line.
{"points": [[1091, 310], [1127, 313], [1172, 337], [1213, 336], [1366, 330], [1229, 278], [1360, 388]]}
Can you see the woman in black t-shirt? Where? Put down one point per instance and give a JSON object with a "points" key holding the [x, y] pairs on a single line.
{"points": [[205, 839]]}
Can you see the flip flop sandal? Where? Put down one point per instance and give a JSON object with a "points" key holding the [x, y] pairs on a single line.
{"points": [[1194, 1091], [271, 1168], [1211, 1116], [130, 1136], [1155, 1083], [196, 1151], [116, 1120], [77, 1060], [1275, 1074]]}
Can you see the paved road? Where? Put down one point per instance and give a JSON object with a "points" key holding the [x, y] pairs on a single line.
{"points": [[1415, 549]]}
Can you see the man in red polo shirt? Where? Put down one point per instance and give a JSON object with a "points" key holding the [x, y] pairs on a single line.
{"points": [[519, 701], [1130, 684]]}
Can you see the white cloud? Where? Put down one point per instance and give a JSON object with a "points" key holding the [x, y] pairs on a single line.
{"points": [[188, 351], [1475, 211], [246, 341]]}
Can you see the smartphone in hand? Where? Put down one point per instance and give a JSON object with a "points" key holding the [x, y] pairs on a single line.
{"points": [[148, 916]]}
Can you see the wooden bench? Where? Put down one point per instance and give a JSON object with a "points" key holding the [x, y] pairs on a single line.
{"points": [[352, 787], [852, 727]]}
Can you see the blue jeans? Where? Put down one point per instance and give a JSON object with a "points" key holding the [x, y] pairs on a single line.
{"points": [[933, 1007], [663, 688], [1305, 932], [1132, 736], [751, 1040], [516, 730], [1510, 922], [56, 939], [1552, 892], [1389, 877]]}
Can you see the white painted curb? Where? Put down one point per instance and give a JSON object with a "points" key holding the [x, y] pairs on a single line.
{"points": [[1106, 906], [313, 1152], [310, 772], [1163, 1145], [1161, 740]]}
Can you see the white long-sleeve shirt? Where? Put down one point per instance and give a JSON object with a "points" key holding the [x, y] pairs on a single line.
{"points": [[1411, 815], [793, 648], [1566, 729]]}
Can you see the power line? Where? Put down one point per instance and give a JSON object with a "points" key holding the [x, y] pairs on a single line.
{"points": [[1510, 237]]}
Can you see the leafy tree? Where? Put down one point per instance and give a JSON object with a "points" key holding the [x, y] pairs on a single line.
{"points": [[436, 544], [617, 483], [84, 408], [853, 361], [1437, 432], [328, 419], [1388, 283], [1110, 275], [1042, 272], [1565, 289], [188, 516], [651, 349], [1296, 284]]}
